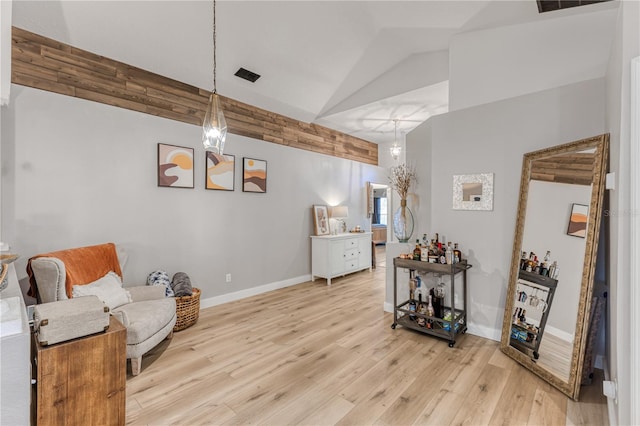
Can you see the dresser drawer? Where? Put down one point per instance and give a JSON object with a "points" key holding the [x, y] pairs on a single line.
{"points": [[351, 265], [351, 253], [351, 243]]}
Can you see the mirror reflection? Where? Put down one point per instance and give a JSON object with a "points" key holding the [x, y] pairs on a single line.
{"points": [[552, 269], [472, 191]]}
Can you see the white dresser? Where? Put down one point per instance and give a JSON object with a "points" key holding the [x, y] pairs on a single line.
{"points": [[337, 255]]}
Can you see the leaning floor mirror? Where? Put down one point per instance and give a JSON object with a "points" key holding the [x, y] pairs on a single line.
{"points": [[554, 252]]}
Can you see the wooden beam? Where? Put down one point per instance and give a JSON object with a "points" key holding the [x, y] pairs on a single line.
{"points": [[47, 64], [575, 169]]}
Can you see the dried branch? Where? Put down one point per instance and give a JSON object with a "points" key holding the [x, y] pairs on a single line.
{"points": [[401, 178]]}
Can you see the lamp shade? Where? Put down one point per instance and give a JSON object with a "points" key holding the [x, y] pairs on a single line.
{"points": [[214, 127], [339, 212]]}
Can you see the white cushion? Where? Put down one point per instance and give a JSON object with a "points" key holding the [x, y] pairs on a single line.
{"points": [[108, 289]]}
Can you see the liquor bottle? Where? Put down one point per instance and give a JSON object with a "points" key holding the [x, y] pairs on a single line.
{"points": [[547, 257], [416, 251], [544, 269], [422, 309], [457, 254], [449, 254], [413, 286], [412, 308], [523, 260], [437, 299], [419, 289], [553, 270], [430, 313], [425, 241], [424, 253], [523, 316]]}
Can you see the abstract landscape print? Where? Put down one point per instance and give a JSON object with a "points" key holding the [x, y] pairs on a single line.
{"points": [[254, 175], [220, 171], [578, 220], [175, 166]]}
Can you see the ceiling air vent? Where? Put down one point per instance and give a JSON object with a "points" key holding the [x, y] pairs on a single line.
{"points": [[550, 5], [247, 75]]}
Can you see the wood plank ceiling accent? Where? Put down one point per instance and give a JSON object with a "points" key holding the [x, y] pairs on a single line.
{"points": [[46, 64], [576, 169]]}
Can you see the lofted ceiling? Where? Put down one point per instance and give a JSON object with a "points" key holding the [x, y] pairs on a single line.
{"points": [[353, 66]]}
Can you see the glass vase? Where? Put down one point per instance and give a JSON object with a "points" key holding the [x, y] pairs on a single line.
{"points": [[403, 222]]}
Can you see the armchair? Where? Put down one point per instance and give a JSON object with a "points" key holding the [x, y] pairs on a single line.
{"points": [[150, 316]]}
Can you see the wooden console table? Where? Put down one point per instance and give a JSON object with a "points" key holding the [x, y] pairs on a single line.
{"points": [[82, 381]]}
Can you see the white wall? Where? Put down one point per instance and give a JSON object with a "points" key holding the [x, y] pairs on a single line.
{"points": [[418, 144], [492, 138], [626, 46], [5, 50], [415, 72], [547, 215], [505, 62], [77, 173]]}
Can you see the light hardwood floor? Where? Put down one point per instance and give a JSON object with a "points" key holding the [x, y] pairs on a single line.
{"points": [[317, 355]]}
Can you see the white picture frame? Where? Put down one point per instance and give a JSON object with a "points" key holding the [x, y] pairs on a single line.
{"points": [[473, 192]]}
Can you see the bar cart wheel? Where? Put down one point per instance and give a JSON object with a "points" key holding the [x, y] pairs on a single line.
{"points": [[451, 343], [393, 326], [536, 355]]}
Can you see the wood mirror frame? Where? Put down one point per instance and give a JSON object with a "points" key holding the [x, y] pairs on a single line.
{"points": [[599, 145]]}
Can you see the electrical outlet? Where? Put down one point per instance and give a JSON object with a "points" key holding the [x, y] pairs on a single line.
{"points": [[228, 278]]}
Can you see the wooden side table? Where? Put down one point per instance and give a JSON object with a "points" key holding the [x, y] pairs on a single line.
{"points": [[82, 381]]}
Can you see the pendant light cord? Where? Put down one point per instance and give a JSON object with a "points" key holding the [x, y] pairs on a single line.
{"points": [[214, 46], [395, 132]]}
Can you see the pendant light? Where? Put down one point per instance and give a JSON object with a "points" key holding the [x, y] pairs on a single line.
{"points": [[395, 148], [214, 127]]}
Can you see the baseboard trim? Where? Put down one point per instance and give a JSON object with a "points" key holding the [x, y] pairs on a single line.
{"points": [[388, 307], [253, 291], [484, 331], [611, 403], [563, 335]]}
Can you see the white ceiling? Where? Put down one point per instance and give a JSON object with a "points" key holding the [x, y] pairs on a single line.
{"points": [[354, 66]]}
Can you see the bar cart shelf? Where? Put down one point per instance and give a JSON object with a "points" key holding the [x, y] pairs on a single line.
{"points": [[455, 323], [525, 336]]}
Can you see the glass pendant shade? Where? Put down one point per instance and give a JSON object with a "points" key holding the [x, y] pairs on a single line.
{"points": [[214, 127], [395, 151]]}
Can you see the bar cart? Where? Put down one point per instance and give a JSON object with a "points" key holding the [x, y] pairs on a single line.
{"points": [[446, 327], [525, 334]]}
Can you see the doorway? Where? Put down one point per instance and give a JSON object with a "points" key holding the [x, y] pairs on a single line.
{"points": [[380, 220]]}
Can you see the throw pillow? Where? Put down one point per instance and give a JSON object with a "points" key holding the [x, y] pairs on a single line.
{"points": [[161, 278], [181, 284], [108, 289]]}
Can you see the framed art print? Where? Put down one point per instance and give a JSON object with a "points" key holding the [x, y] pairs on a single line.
{"points": [[321, 220], [254, 175], [175, 166], [578, 220], [220, 171]]}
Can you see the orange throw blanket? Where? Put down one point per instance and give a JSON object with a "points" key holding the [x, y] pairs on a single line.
{"points": [[82, 265]]}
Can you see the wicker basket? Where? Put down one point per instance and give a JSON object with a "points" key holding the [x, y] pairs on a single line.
{"points": [[187, 310]]}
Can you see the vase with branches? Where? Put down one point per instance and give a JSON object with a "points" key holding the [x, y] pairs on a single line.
{"points": [[401, 179]]}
